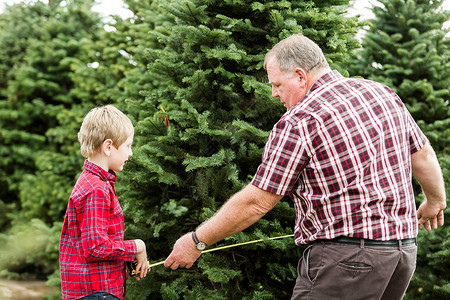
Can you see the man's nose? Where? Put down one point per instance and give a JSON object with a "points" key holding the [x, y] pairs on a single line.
{"points": [[274, 92]]}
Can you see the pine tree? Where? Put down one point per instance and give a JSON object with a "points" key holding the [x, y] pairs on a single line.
{"points": [[38, 100], [407, 49], [200, 134], [41, 112], [18, 24]]}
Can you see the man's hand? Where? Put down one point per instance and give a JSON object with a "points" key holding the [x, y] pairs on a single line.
{"points": [[433, 214], [184, 253]]}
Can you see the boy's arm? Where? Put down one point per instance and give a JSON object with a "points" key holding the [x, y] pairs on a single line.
{"points": [[96, 221]]}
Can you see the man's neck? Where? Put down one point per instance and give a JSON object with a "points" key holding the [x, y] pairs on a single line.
{"points": [[316, 75]]}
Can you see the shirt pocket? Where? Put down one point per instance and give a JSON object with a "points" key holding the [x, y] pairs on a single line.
{"points": [[116, 221], [116, 209]]}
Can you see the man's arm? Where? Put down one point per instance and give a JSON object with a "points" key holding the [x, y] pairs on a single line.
{"points": [[239, 212], [426, 170]]}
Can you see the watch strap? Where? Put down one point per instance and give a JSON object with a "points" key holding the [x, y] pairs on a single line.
{"points": [[195, 238]]}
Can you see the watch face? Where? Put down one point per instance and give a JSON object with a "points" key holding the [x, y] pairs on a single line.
{"points": [[201, 246]]}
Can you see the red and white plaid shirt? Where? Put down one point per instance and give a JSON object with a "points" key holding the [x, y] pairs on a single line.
{"points": [[92, 251], [343, 155]]}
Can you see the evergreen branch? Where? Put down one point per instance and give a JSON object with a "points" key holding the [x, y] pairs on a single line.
{"points": [[192, 14], [153, 124], [233, 245]]}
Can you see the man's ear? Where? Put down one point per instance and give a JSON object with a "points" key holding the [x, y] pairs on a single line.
{"points": [[106, 147], [301, 74]]}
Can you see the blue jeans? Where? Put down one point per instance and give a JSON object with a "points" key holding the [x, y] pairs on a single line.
{"points": [[99, 296]]}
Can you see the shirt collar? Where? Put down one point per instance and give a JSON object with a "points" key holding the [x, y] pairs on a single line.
{"points": [[323, 80], [98, 171], [326, 78]]}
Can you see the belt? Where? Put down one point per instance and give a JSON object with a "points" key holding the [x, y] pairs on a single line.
{"points": [[366, 242]]}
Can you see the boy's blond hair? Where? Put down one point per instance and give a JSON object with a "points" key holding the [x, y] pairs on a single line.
{"points": [[100, 124]]}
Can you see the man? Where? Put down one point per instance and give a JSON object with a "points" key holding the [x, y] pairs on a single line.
{"points": [[343, 152]]}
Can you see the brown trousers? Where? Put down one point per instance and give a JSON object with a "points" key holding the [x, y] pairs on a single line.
{"points": [[330, 270]]}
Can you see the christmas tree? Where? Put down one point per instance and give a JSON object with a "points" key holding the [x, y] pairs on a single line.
{"points": [[201, 127], [407, 48]]}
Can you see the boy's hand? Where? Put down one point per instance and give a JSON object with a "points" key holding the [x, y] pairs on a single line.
{"points": [[142, 266], [131, 268]]}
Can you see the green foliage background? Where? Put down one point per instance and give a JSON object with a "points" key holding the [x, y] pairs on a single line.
{"points": [[189, 74], [406, 48]]}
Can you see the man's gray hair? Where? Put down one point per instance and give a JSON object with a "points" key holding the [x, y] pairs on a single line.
{"points": [[297, 51]]}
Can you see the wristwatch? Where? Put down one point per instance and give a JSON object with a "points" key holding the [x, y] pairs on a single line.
{"points": [[199, 245]]}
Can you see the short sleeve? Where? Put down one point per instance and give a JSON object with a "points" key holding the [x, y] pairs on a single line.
{"points": [[416, 137], [285, 154]]}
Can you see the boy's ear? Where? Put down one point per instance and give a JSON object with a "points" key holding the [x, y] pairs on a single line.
{"points": [[106, 147]]}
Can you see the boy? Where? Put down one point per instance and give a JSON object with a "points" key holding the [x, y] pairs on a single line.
{"points": [[92, 249]]}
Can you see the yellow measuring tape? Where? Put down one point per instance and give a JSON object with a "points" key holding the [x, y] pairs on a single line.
{"points": [[230, 246]]}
